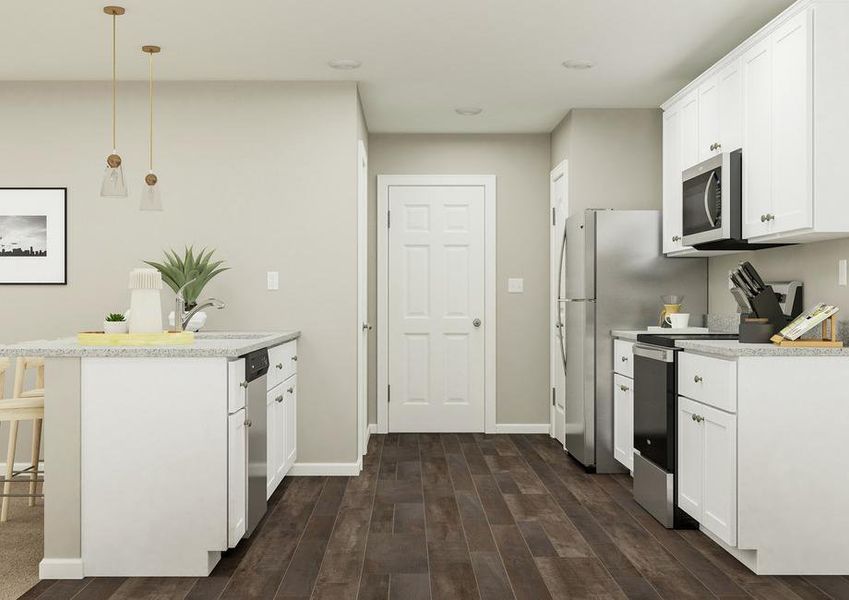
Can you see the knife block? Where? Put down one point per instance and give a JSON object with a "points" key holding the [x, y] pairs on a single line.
{"points": [[765, 306]]}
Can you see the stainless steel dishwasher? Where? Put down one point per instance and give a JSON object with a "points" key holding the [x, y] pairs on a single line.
{"points": [[256, 369]]}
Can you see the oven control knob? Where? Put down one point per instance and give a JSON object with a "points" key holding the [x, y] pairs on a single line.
{"points": [[648, 442]]}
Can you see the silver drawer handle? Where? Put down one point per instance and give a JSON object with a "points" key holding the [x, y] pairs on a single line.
{"points": [[676, 238], [697, 379], [244, 384], [295, 358], [248, 423], [624, 388], [698, 418], [624, 359], [279, 365], [291, 390], [279, 398]]}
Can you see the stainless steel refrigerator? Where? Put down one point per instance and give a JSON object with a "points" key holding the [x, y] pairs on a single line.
{"points": [[612, 274]]}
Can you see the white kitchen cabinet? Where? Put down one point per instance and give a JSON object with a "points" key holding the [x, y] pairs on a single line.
{"points": [[237, 482], [623, 357], [623, 420], [707, 467], [273, 441], [757, 138], [720, 112], [290, 406], [236, 386], [673, 232], [282, 414], [689, 111]]}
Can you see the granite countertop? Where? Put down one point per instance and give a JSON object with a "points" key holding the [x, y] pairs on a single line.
{"points": [[622, 334], [734, 349], [207, 344]]}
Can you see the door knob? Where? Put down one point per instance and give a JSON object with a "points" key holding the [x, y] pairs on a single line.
{"points": [[476, 322]]}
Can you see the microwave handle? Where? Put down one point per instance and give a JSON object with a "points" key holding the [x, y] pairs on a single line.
{"points": [[707, 198]]}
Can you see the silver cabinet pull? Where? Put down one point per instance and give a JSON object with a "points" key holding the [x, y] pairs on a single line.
{"points": [[624, 359], [624, 388], [763, 218], [476, 322], [697, 379], [279, 398], [244, 384], [770, 217], [279, 365], [248, 423], [698, 418], [295, 358], [367, 327], [676, 238], [291, 390]]}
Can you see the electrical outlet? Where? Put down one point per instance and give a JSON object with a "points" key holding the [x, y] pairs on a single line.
{"points": [[515, 285], [273, 280], [841, 272]]}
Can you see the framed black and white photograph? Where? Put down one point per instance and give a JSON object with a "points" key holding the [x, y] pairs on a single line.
{"points": [[33, 236]]}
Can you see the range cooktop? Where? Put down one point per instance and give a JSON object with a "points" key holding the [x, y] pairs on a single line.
{"points": [[668, 339]]}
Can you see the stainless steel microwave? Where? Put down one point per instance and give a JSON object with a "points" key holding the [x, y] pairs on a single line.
{"points": [[711, 200]]}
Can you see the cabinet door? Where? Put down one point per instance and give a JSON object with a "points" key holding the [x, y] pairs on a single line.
{"points": [[730, 94], [623, 420], [281, 432], [690, 474], [709, 118], [272, 431], [672, 188], [291, 419], [690, 130], [236, 389], [792, 125], [237, 480], [719, 499], [757, 138]]}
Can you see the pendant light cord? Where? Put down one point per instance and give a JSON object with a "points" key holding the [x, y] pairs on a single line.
{"points": [[150, 93], [114, 82]]}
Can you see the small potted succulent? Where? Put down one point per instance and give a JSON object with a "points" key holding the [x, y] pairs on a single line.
{"points": [[115, 323]]}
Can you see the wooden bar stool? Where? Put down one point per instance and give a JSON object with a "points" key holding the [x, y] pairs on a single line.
{"points": [[25, 405]]}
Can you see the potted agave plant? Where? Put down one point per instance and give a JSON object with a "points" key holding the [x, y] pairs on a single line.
{"points": [[192, 272], [115, 323]]}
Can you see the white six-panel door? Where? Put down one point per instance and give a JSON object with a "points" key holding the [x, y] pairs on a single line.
{"points": [[436, 308]]}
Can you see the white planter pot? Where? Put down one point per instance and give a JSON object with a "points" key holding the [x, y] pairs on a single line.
{"points": [[114, 327]]}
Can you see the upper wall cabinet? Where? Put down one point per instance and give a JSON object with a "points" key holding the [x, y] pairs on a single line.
{"points": [[781, 97]]}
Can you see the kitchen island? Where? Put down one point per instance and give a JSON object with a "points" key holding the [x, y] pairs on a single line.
{"points": [[760, 449], [145, 451]]}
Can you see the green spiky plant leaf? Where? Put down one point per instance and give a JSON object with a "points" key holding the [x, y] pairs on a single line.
{"points": [[115, 318], [176, 270]]}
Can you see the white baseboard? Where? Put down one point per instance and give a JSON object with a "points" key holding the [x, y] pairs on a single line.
{"points": [[372, 428], [60, 568], [522, 428], [327, 469]]}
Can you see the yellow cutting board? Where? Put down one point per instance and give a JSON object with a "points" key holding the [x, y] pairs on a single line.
{"points": [[166, 338]]}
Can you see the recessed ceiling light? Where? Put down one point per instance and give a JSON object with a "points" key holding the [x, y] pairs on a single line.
{"points": [[344, 64], [578, 65], [468, 111]]}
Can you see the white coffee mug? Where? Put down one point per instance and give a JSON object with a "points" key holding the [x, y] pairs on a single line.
{"points": [[678, 320]]}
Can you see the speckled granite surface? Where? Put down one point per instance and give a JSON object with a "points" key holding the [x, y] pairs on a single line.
{"points": [[733, 349], [207, 344]]}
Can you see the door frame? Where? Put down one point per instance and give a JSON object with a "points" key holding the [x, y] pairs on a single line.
{"points": [[555, 241], [363, 327], [384, 182]]}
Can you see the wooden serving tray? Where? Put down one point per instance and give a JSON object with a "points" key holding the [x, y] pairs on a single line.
{"points": [[165, 338]]}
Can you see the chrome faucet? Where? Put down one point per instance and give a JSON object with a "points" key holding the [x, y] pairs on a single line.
{"points": [[181, 317]]}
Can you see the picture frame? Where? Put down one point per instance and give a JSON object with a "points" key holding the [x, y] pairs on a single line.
{"points": [[33, 236]]}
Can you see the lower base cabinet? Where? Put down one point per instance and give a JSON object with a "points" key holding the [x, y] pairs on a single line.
{"points": [[707, 467], [282, 427], [623, 420], [237, 491]]}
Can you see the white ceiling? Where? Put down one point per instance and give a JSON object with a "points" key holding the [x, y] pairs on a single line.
{"points": [[421, 58]]}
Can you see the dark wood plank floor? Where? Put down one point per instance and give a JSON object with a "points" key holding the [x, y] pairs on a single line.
{"points": [[462, 516]]}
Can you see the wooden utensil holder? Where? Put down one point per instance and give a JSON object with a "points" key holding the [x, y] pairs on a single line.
{"points": [[829, 337]]}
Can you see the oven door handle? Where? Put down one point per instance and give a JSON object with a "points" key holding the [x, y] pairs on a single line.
{"points": [[655, 353], [707, 198]]}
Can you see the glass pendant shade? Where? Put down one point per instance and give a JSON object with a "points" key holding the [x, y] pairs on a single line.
{"points": [[113, 185], [151, 199]]}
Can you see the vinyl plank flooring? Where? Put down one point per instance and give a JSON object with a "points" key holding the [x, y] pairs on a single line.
{"points": [[456, 516]]}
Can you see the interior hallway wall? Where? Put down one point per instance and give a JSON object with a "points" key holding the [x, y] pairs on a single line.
{"points": [[521, 166], [265, 173]]}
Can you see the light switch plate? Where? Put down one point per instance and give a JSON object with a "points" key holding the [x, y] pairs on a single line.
{"points": [[273, 280], [515, 285], [841, 272]]}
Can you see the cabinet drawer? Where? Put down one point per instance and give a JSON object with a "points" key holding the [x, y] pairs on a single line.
{"points": [[623, 358], [712, 381], [235, 385], [283, 361], [623, 420]]}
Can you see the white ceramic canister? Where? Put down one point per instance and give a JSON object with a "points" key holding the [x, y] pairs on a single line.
{"points": [[145, 302]]}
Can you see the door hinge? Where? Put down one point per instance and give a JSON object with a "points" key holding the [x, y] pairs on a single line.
{"points": [[388, 219], [553, 395], [388, 394], [553, 217]]}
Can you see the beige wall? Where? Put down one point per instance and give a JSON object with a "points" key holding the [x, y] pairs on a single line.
{"points": [[815, 265], [521, 166], [614, 157], [263, 172]]}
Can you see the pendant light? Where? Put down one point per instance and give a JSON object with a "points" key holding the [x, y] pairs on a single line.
{"points": [[113, 179], [150, 199]]}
